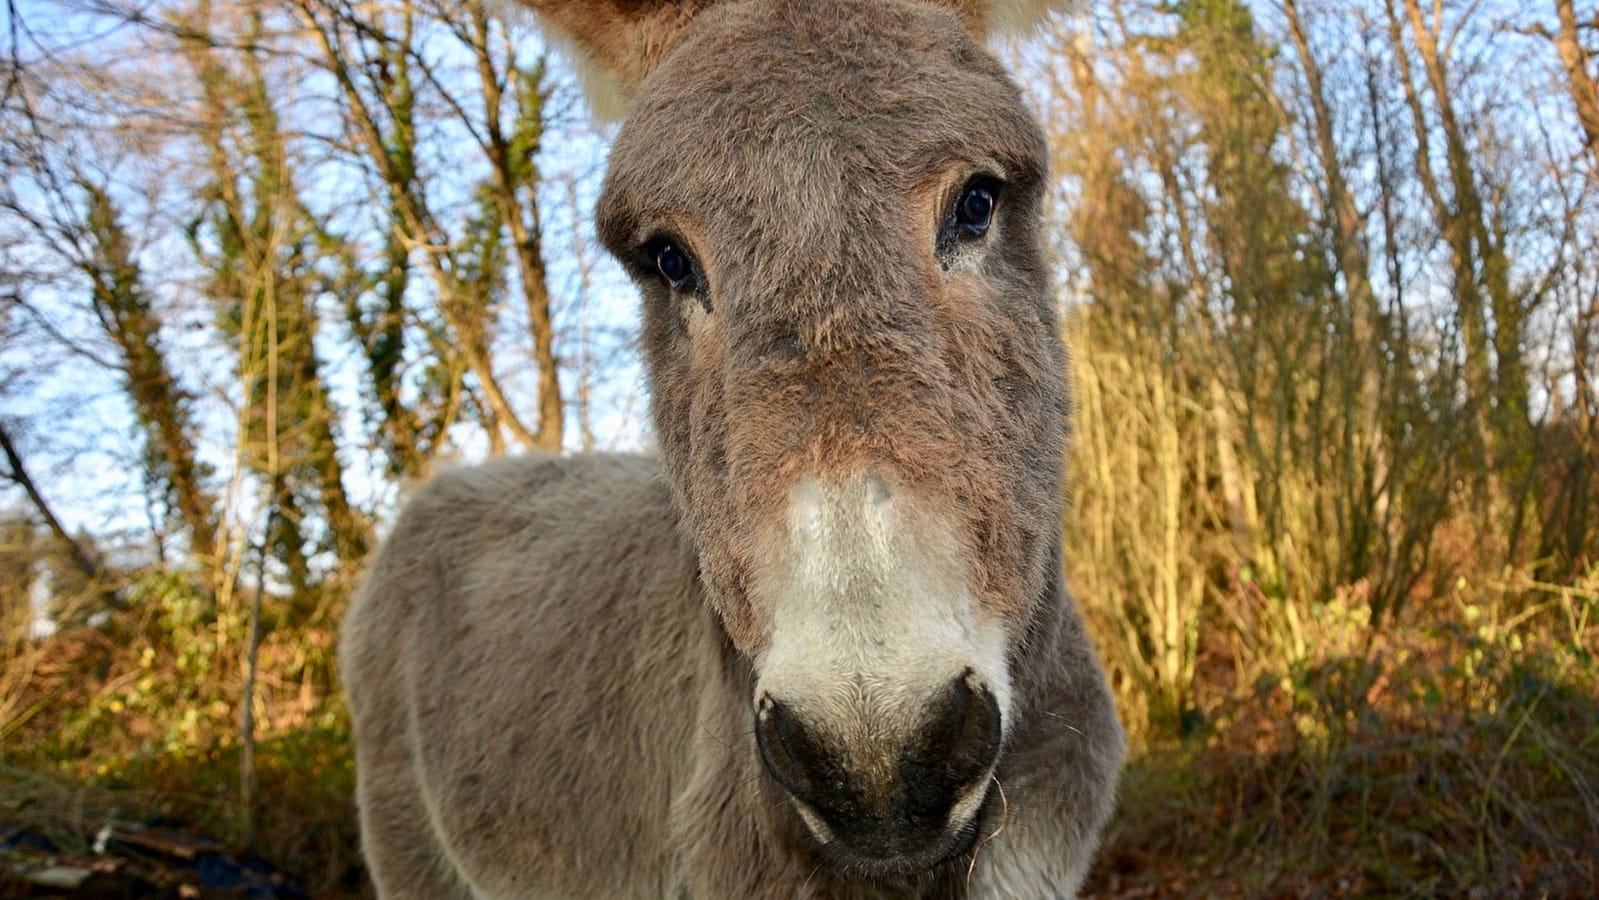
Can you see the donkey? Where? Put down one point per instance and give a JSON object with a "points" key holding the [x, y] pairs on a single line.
{"points": [[821, 646]]}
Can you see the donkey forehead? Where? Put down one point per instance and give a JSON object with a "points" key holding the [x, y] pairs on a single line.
{"points": [[772, 115]]}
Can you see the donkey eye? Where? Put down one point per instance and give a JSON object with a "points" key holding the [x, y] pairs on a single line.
{"points": [[670, 262], [974, 212], [968, 217], [674, 264]]}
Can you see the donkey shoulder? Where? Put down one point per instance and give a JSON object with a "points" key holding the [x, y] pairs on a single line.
{"points": [[528, 617], [552, 533]]}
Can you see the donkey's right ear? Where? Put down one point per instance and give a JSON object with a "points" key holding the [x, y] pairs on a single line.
{"points": [[615, 44]]}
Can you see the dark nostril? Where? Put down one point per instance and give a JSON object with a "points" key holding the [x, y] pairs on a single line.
{"points": [[958, 745], [789, 750]]}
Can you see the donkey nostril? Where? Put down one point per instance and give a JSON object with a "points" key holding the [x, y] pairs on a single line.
{"points": [[787, 748], [958, 745]]}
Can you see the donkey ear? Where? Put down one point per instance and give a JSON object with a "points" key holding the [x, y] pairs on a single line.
{"points": [[993, 17], [615, 44]]}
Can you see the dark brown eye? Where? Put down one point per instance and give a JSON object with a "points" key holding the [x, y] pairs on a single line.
{"points": [[969, 216], [674, 265], [974, 212]]}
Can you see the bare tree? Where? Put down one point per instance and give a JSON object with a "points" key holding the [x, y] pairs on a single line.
{"points": [[380, 72], [1580, 79], [259, 244]]}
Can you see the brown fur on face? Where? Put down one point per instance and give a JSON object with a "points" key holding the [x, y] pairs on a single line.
{"points": [[814, 174], [551, 665]]}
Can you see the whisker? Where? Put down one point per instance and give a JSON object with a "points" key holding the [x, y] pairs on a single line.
{"points": [[1004, 821], [727, 740], [811, 874], [1055, 715]]}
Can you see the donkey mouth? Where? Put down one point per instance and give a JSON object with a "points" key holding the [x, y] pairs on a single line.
{"points": [[902, 856]]}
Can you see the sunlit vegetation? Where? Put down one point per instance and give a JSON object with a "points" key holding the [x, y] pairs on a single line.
{"points": [[1329, 270]]}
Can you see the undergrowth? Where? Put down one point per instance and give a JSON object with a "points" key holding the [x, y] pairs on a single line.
{"points": [[137, 721], [1456, 759], [1453, 753]]}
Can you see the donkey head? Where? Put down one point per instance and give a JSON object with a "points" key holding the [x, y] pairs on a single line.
{"points": [[831, 208]]}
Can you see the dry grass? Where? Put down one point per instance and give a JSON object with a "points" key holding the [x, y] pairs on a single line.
{"points": [[1448, 761], [1428, 727], [1456, 755]]}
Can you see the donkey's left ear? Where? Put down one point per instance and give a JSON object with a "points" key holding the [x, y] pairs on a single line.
{"points": [[617, 43], [992, 17]]}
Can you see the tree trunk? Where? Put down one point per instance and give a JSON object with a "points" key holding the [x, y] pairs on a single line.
{"points": [[18, 474], [161, 407], [1579, 78]]}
